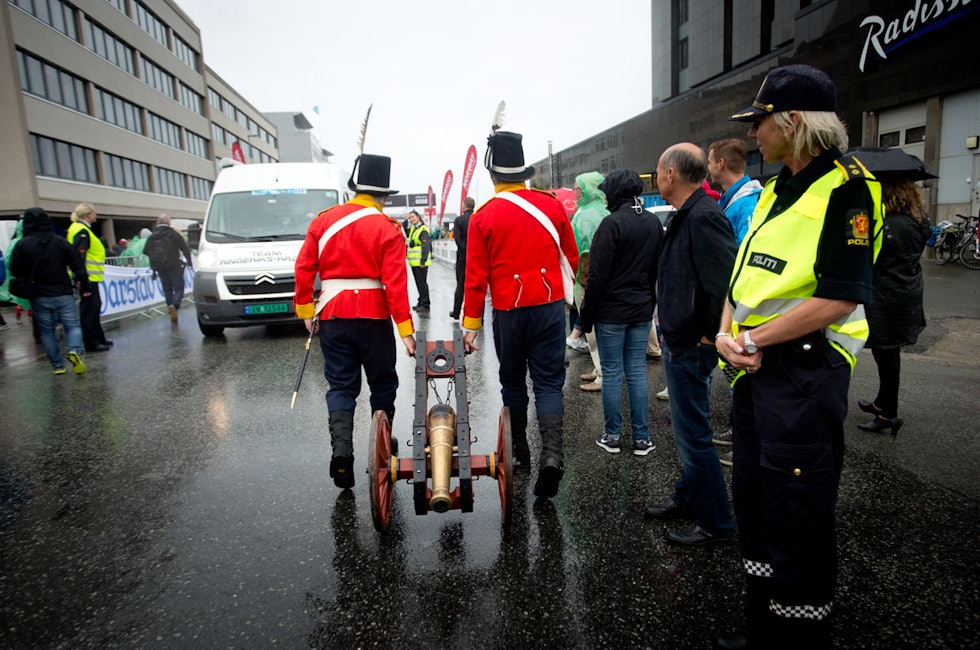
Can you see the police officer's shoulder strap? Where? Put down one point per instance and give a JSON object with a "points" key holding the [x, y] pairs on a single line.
{"points": [[852, 167]]}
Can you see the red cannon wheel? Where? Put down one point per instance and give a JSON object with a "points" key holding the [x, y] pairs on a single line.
{"points": [[379, 470], [505, 466]]}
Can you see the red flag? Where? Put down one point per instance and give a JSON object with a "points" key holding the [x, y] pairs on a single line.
{"points": [[468, 168], [236, 152], [447, 182]]}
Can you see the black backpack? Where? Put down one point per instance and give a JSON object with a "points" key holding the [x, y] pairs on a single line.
{"points": [[161, 250]]}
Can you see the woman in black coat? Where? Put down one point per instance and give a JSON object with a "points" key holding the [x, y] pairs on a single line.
{"points": [[895, 315]]}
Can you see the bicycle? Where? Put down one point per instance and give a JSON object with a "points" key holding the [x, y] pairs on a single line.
{"points": [[948, 237], [970, 248]]}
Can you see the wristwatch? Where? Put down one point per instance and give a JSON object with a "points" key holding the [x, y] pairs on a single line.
{"points": [[749, 346]]}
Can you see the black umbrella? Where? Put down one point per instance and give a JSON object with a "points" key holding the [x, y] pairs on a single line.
{"points": [[894, 163]]}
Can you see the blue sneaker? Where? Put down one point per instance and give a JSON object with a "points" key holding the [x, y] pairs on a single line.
{"points": [[643, 447], [608, 442]]}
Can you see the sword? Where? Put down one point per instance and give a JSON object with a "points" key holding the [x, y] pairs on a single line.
{"points": [[306, 356]]}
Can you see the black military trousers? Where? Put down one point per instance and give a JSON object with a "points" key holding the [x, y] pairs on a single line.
{"points": [[788, 449]]}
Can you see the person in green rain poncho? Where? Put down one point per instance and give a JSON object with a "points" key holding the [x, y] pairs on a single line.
{"points": [[135, 249], [5, 295], [589, 212]]}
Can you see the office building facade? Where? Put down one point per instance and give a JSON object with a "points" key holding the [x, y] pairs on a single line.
{"points": [[903, 70], [109, 102]]}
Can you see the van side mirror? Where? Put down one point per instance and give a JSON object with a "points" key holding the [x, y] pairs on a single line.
{"points": [[194, 234]]}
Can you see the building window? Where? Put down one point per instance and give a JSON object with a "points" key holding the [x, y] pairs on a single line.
{"points": [[54, 13], [157, 77], [164, 131], [109, 47], [228, 108], [915, 135], [185, 53], [119, 4], [682, 60], [59, 159], [190, 99], [150, 24], [682, 12], [171, 182], [200, 188], [126, 173], [214, 99], [241, 118], [118, 111], [217, 134], [890, 139], [196, 144], [44, 80]]}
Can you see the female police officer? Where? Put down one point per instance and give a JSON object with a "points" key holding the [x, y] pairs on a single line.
{"points": [[793, 327]]}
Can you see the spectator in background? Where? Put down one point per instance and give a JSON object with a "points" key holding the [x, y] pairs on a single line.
{"points": [[92, 252], [895, 314], [697, 256], [619, 299], [419, 258], [170, 269], [459, 236], [590, 210], [46, 258], [726, 167]]}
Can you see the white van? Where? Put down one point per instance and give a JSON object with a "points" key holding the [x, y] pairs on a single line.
{"points": [[254, 227]]}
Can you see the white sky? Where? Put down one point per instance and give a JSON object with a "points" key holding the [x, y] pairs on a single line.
{"points": [[435, 71]]}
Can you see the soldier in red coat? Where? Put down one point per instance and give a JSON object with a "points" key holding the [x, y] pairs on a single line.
{"points": [[359, 255], [517, 256]]}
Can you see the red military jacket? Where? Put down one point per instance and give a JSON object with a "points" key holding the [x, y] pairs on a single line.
{"points": [[370, 249], [512, 253]]}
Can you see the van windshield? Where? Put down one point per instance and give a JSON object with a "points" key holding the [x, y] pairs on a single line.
{"points": [[265, 215]]}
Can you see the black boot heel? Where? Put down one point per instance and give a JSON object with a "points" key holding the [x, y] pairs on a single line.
{"points": [[868, 407], [880, 424]]}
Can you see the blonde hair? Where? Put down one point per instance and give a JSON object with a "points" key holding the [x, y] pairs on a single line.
{"points": [[82, 210], [903, 197], [817, 130]]}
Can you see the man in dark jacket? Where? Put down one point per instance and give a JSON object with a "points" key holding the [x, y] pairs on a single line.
{"points": [[695, 264], [171, 272], [460, 227], [45, 258]]}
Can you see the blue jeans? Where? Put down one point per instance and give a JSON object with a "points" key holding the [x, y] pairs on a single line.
{"points": [[172, 283], [622, 351], [48, 311], [702, 484]]}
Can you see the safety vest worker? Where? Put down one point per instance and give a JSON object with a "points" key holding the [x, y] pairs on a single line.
{"points": [[95, 255], [419, 246]]}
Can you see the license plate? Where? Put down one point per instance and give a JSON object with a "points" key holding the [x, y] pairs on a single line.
{"points": [[268, 308]]}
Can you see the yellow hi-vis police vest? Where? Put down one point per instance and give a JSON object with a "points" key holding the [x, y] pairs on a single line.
{"points": [[765, 286], [415, 246], [95, 258]]}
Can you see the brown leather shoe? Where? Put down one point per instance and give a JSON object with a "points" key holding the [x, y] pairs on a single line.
{"points": [[591, 387], [587, 376]]}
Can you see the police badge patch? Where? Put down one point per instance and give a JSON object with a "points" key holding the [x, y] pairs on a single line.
{"points": [[860, 226]]}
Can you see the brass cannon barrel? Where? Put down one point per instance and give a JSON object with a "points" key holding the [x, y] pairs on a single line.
{"points": [[442, 440]]}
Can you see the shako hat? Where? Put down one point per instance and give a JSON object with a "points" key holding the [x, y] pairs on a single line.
{"points": [[791, 88], [505, 157], [373, 175]]}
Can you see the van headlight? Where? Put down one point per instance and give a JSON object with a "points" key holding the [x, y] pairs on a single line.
{"points": [[206, 259]]}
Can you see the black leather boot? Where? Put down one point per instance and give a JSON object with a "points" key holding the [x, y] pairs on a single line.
{"points": [[551, 467], [391, 427], [342, 442], [518, 436]]}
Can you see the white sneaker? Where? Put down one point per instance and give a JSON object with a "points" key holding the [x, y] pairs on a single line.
{"points": [[663, 395]]}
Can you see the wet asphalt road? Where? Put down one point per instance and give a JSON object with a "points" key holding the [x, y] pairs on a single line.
{"points": [[170, 498]]}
